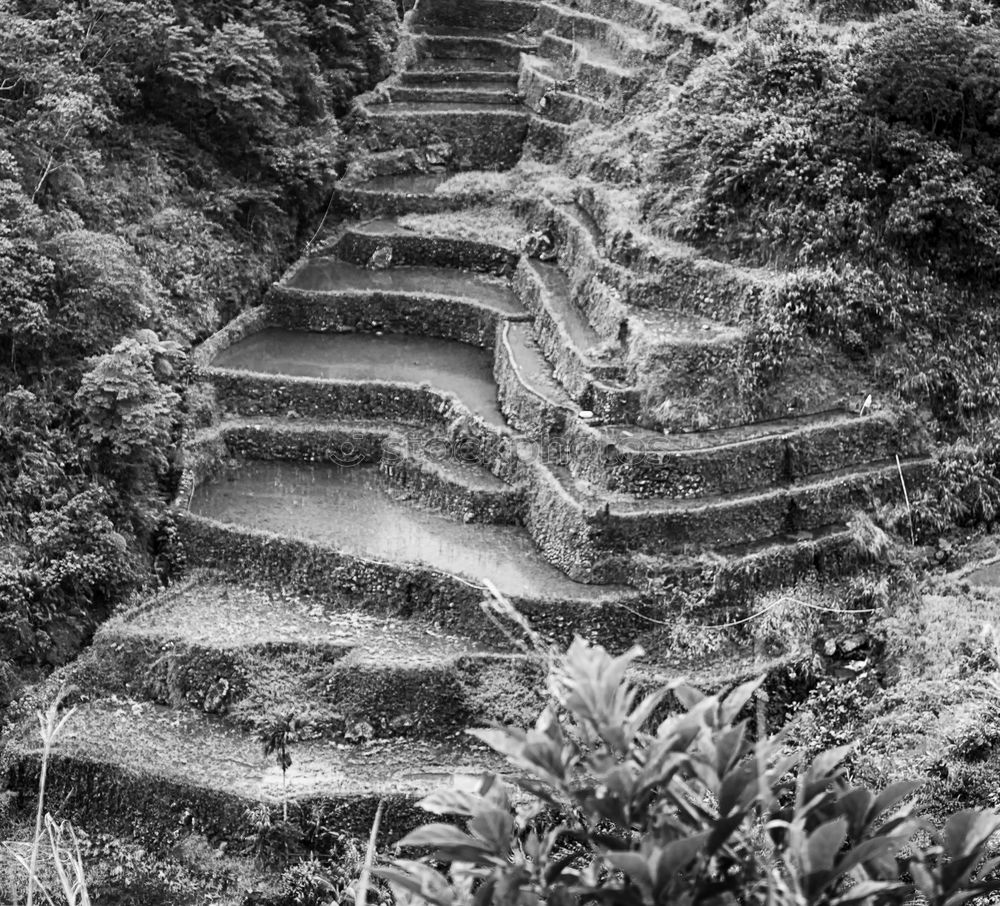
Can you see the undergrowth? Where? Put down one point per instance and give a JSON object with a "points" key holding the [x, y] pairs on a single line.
{"points": [[50, 866], [864, 165], [600, 805]]}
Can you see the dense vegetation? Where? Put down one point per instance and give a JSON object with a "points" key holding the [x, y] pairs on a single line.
{"points": [[690, 810], [160, 162], [864, 158]]}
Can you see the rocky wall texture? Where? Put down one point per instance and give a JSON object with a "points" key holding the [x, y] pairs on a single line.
{"points": [[524, 408], [242, 326], [486, 140], [619, 617], [494, 15], [432, 470], [158, 811], [345, 696], [392, 312], [418, 249]]}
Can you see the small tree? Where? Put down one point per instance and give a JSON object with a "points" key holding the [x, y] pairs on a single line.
{"points": [[693, 811], [103, 292], [129, 413], [275, 738]]}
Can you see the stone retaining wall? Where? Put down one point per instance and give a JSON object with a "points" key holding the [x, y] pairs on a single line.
{"points": [[423, 250], [421, 314], [487, 140], [621, 618]]}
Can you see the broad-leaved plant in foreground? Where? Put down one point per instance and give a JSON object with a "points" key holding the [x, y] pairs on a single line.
{"points": [[603, 804]]}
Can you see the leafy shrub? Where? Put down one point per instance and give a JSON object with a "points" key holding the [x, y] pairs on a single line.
{"points": [[307, 884], [767, 347], [131, 417], [872, 172], [690, 812], [931, 71], [26, 296], [102, 290], [160, 164], [964, 490], [844, 10]]}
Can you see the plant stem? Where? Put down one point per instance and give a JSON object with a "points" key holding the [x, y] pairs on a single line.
{"points": [[39, 812], [906, 497], [363, 880]]}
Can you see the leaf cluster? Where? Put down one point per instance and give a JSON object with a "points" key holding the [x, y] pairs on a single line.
{"points": [[602, 808]]}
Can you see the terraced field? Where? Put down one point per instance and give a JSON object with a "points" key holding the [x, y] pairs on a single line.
{"points": [[428, 409]]}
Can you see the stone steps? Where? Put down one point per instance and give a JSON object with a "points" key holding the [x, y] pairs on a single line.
{"points": [[461, 66], [557, 88], [544, 288], [589, 367], [331, 375], [547, 140], [683, 353], [660, 274], [329, 294], [146, 772], [674, 352], [645, 15], [539, 88], [483, 92], [248, 653], [648, 464], [531, 399], [357, 242], [449, 474], [598, 535], [347, 509], [401, 439], [629, 47], [446, 43], [311, 558], [496, 15], [557, 608], [444, 78], [584, 63], [676, 23], [479, 136], [399, 193]]}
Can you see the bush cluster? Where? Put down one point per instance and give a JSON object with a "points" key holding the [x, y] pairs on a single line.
{"points": [[692, 810], [871, 169], [160, 163]]}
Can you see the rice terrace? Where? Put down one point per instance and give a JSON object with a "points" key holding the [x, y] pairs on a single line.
{"points": [[470, 452]]}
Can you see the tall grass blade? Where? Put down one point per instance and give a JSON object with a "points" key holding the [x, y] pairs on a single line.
{"points": [[906, 497], [364, 879]]}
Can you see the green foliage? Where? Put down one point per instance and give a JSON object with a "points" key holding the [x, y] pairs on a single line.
{"points": [[307, 884], [26, 295], [872, 172], [103, 291], [845, 10], [228, 80], [78, 548], [276, 736], [692, 811], [774, 335], [935, 73], [129, 412], [964, 490], [160, 162]]}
